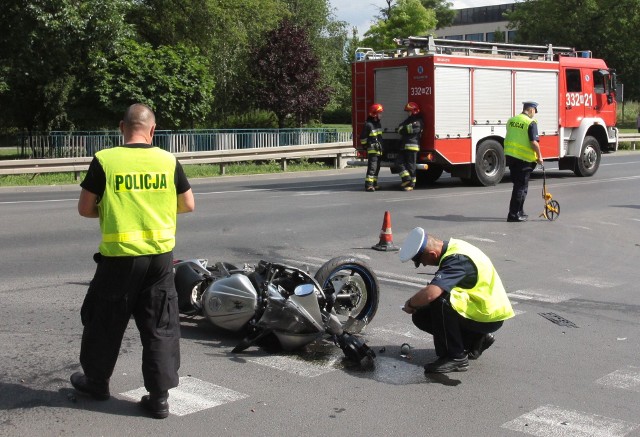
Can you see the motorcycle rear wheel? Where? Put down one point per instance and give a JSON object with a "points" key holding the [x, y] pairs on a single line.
{"points": [[355, 286]]}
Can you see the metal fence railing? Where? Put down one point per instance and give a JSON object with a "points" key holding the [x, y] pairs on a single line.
{"points": [[59, 144]]}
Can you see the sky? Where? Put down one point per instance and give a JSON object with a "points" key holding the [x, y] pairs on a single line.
{"points": [[360, 13]]}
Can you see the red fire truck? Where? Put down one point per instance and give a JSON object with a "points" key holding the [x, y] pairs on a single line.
{"points": [[468, 90]]}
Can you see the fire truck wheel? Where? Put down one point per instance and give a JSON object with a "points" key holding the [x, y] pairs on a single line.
{"points": [[490, 164], [429, 176], [589, 160]]}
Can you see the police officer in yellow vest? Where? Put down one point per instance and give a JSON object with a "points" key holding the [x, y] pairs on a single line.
{"points": [[464, 303], [522, 152], [136, 191]]}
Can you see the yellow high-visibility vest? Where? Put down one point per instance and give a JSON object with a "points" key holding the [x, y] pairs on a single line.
{"points": [[517, 143], [487, 301], [138, 211]]}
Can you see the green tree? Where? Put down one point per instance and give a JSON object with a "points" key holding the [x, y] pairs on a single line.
{"points": [[287, 76], [174, 80], [224, 31], [586, 25], [442, 8], [44, 48], [405, 18]]}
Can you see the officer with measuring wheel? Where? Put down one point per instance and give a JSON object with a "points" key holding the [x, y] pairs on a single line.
{"points": [[522, 152]]}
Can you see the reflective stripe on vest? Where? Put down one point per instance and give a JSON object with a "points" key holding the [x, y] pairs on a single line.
{"points": [[139, 207], [517, 143], [487, 301]]}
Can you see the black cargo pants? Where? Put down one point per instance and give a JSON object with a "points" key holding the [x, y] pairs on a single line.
{"points": [[141, 286], [453, 335], [520, 173]]}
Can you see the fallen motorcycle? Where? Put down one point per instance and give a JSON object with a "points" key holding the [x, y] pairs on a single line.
{"points": [[283, 306]]}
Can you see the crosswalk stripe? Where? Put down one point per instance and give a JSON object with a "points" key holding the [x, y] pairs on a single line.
{"points": [[292, 364], [192, 395], [627, 378], [552, 421]]}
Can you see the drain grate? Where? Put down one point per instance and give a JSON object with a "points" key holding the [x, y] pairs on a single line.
{"points": [[558, 320]]}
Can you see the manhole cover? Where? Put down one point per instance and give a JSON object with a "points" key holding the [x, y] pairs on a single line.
{"points": [[558, 320]]}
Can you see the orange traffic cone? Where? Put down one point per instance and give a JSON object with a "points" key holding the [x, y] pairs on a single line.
{"points": [[386, 236]]}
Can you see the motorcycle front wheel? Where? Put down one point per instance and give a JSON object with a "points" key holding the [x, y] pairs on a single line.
{"points": [[354, 286]]}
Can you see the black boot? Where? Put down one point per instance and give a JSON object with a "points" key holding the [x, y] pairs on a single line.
{"points": [[156, 403], [98, 389]]}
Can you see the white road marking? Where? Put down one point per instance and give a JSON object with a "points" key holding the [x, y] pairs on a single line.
{"points": [[607, 223], [627, 378], [593, 282], [393, 278], [396, 332], [192, 395], [539, 296], [473, 237], [297, 366], [552, 421]]}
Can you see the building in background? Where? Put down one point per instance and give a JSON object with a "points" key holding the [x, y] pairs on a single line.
{"points": [[480, 24]]}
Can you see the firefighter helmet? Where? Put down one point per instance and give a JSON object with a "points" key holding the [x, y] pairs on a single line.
{"points": [[375, 109], [412, 107]]}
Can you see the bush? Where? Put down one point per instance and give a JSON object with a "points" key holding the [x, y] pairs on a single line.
{"points": [[337, 116], [250, 120], [627, 114]]}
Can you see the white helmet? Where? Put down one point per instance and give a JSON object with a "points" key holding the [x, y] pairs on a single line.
{"points": [[413, 246]]}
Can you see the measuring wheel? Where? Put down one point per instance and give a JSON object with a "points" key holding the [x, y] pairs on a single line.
{"points": [[552, 210], [551, 207]]}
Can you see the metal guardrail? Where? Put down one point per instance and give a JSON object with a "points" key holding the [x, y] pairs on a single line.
{"points": [[79, 144], [337, 151], [627, 138]]}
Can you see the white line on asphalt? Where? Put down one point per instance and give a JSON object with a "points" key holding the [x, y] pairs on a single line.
{"points": [[37, 201], [627, 378], [297, 366], [493, 190], [593, 282], [540, 296], [552, 421], [393, 331], [192, 395], [382, 276], [473, 237]]}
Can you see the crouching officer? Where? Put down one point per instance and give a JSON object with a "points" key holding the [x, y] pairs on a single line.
{"points": [[371, 138], [411, 132], [135, 190], [462, 306]]}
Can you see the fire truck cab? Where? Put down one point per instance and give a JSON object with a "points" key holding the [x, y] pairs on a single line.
{"points": [[468, 90]]}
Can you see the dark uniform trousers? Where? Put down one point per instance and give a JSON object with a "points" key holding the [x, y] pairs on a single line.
{"points": [[407, 162], [141, 286], [520, 173], [453, 334], [373, 168]]}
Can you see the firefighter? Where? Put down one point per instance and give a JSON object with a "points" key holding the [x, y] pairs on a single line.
{"points": [[411, 132], [522, 152], [371, 137], [462, 306]]}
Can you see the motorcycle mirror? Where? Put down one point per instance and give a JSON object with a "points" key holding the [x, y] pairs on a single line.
{"points": [[304, 289]]}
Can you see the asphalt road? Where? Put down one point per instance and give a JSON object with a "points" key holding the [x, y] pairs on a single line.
{"points": [[567, 364]]}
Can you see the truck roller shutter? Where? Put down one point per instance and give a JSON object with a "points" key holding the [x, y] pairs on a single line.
{"points": [[451, 90], [491, 96], [391, 91], [541, 87]]}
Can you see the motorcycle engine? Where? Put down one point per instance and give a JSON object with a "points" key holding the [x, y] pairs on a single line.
{"points": [[229, 303]]}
